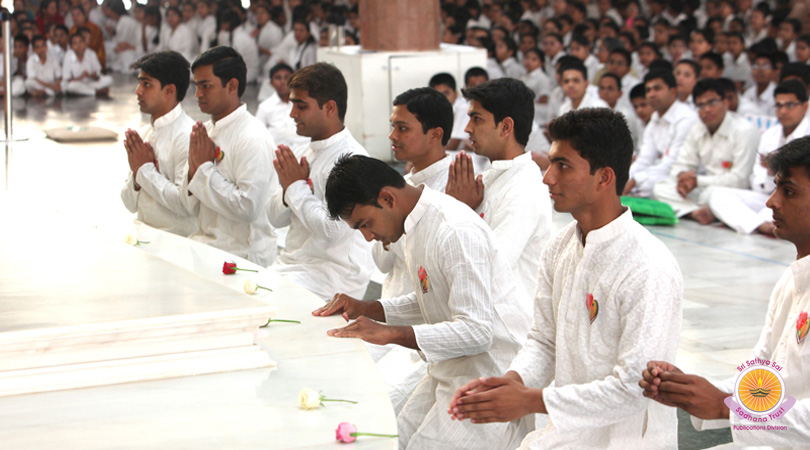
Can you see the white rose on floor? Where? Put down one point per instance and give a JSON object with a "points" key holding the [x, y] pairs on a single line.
{"points": [[251, 287], [309, 399], [131, 239]]}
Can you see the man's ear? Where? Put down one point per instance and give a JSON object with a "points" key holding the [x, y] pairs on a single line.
{"points": [[386, 197], [232, 85], [507, 126], [607, 179], [330, 107], [436, 133]]}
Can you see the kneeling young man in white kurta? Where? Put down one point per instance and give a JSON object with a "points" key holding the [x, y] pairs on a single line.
{"points": [[320, 254], [719, 151], [81, 71], [463, 315], [230, 170], [510, 196], [609, 295], [783, 340], [158, 152]]}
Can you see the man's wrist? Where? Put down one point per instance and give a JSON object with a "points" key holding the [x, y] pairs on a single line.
{"points": [[373, 309]]}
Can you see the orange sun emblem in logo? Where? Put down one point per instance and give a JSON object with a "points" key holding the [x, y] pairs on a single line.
{"points": [[424, 280], [802, 325], [593, 306], [760, 390]]}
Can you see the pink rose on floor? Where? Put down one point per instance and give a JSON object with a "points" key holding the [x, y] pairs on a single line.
{"points": [[346, 432]]}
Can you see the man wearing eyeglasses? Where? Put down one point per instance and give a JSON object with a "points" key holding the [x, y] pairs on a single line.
{"points": [[744, 210], [720, 150]]}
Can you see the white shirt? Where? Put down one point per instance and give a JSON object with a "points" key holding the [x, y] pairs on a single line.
{"points": [[392, 261], [737, 69], [232, 194], [513, 69], [243, 43], [73, 68], [765, 101], [207, 31], [724, 158], [589, 100], [538, 82], [49, 71], [275, 115], [494, 69], [303, 54], [663, 139], [323, 255], [778, 342], [127, 30], [773, 138], [517, 207], [56, 52], [595, 362], [181, 39], [160, 201], [460, 118], [463, 309]]}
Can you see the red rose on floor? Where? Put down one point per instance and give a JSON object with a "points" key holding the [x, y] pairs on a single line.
{"points": [[727, 164], [229, 268]]}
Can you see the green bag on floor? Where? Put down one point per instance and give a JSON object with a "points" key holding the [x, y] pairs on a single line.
{"points": [[650, 212]]}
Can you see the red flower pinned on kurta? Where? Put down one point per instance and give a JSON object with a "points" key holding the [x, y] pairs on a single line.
{"points": [[593, 306], [482, 215], [727, 164], [424, 280], [309, 183], [229, 268], [802, 325], [219, 154]]}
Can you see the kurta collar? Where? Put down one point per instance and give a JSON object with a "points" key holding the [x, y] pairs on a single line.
{"points": [[609, 231], [506, 164], [236, 115], [800, 131], [419, 210], [169, 117], [331, 140], [801, 272], [430, 171], [724, 129]]}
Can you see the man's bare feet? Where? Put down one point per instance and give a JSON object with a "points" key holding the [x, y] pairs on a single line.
{"points": [[703, 216], [104, 93], [766, 228]]}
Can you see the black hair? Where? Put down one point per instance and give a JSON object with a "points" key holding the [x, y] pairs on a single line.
{"points": [[431, 109], [677, 37], [600, 136], [661, 64], [537, 52], [37, 38], [691, 63], [511, 45], [735, 34], [638, 91], [580, 39], [506, 97], [666, 76], [614, 76], [707, 85], [796, 24], [20, 37], [628, 58], [795, 153], [715, 58], [728, 85], [357, 180], [280, 66], [442, 78], [652, 47], [794, 87], [117, 7], [227, 65], [577, 65], [796, 69], [475, 72], [167, 67], [579, 6], [768, 56], [323, 82]]}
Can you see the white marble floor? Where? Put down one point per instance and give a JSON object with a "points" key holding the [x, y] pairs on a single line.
{"points": [[727, 276]]}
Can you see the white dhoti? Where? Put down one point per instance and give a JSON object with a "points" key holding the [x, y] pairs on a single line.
{"points": [[17, 86], [667, 191], [88, 87], [743, 210], [34, 85]]}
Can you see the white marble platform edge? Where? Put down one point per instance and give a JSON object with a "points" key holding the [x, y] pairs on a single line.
{"points": [[101, 373]]}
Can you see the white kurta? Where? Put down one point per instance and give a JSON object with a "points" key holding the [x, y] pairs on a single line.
{"points": [[764, 102], [73, 68], [465, 317], [206, 32], [663, 139], [181, 40], [160, 202], [517, 207], [590, 100], [724, 158], [744, 210], [269, 37], [391, 261], [596, 401], [231, 194], [243, 43], [323, 255], [460, 118], [778, 343], [128, 30], [513, 69], [49, 72], [275, 115]]}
